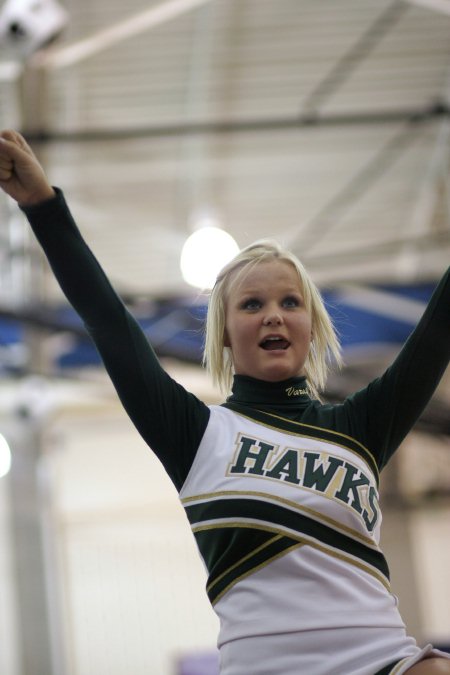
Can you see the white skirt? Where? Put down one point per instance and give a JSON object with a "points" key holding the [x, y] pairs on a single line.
{"points": [[353, 651]]}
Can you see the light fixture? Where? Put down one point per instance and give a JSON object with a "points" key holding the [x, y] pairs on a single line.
{"points": [[204, 254], [5, 456]]}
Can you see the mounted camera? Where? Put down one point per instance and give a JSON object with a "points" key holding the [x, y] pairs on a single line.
{"points": [[29, 25]]}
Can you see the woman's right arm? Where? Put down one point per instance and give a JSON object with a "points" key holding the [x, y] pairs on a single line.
{"points": [[170, 419]]}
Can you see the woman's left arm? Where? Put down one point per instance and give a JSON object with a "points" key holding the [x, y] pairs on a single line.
{"points": [[392, 403]]}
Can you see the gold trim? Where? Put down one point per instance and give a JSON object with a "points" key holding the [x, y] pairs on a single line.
{"points": [[299, 507], [248, 526], [357, 563], [399, 665]]}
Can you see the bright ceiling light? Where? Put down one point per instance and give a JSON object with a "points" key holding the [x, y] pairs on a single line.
{"points": [[204, 254], [5, 457]]}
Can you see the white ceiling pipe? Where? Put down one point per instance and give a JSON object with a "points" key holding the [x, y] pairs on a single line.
{"points": [[442, 6], [54, 58]]}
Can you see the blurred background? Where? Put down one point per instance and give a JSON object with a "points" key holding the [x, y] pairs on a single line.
{"points": [[322, 124]]}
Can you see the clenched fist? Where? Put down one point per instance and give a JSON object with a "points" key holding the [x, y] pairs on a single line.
{"points": [[21, 175]]}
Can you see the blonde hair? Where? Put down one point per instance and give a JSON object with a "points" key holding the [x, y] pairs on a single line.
{"points": [[324, 346]]}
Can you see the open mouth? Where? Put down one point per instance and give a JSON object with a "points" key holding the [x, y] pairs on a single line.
{"points": [[274, 343]]}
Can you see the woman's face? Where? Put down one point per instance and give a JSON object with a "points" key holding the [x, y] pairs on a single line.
{"points": [[267, 326]]}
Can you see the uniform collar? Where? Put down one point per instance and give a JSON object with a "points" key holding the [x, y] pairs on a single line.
{"points": [[250, 391]]}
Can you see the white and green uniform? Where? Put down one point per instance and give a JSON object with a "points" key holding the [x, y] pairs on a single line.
{"points": [[281, 491]]}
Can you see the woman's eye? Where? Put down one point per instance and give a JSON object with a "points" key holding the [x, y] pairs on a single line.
{"points": [[291, 302], [251, 303]]}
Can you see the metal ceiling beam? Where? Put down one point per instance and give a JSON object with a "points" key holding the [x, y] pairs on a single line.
{"points": [[257, 125], [354, 56], [309, 233]]}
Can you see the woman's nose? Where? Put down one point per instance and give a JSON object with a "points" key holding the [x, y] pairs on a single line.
{"points": [[273, 319]]}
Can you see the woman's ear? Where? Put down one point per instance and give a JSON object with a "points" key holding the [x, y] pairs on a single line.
{"points": [[226, 339]]}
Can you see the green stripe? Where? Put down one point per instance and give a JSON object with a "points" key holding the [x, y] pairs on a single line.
{"points": [[222, 548], [307, 430], [274, 548], [274, 516]]}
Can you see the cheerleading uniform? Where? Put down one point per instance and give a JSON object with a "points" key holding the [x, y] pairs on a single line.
{"points": [[281, 491]]}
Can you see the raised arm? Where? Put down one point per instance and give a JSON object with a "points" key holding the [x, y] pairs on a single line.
{"points": [[391, 404], [171, 420]]}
